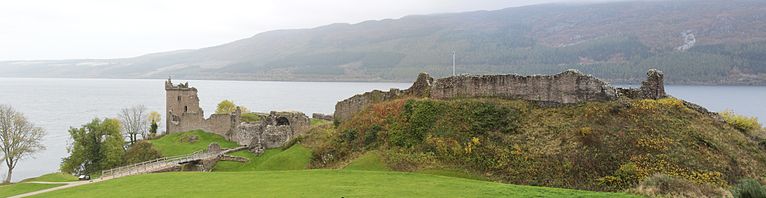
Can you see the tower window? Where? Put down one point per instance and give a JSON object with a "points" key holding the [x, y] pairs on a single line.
{"points": [[179, 98], [186, 108]]}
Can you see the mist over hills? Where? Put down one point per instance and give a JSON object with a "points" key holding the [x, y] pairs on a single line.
{"points": [[693, 42]]}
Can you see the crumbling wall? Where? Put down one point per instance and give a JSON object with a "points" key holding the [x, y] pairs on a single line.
{"points": [[184, 113], [272, 131], [652, 88], [570, 86], [321, 116], [346, 108]]}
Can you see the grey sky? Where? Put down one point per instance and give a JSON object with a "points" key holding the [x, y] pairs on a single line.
{"points": [[55, 29]]}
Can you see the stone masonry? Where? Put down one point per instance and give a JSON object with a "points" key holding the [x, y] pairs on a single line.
{"points": [[183, 112], [568, 87], [272, 130], [346, 108]]}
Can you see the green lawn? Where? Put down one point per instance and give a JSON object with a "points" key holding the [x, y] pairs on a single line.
{"points": [[21, 188], [53, 177], [310, 183], [449, 172], [179, 143], [369, 161], [296, 157]]}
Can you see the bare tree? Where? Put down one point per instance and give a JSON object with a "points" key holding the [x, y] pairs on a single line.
{"points": [[19, 138], [134, 122]]}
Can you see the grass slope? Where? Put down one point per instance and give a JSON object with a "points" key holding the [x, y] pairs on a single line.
{"points": [[53, 177], [21, 188], [296, 157], [369, 161], [607, 146], [182, 143], [310, 183]]}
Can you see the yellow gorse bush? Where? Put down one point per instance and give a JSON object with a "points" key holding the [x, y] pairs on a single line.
{"points": [[742, 123]]}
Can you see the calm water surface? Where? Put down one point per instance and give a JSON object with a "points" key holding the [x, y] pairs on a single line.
{"points": [[57, 104]]}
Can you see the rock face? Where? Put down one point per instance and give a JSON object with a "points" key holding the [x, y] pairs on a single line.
{"points": [[568, 87], [273, 130]]}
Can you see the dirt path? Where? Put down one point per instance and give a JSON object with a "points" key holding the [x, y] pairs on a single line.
{"points": [[66, 185]]}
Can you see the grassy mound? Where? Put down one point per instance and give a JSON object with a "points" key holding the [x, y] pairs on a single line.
{"points": [[310, 183], [596, 145], [21, 188], [369, 161], [188, 142], [296, 157], [52, 177]]}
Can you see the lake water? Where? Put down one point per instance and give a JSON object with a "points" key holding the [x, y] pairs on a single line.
{"points": [[57, 104]]}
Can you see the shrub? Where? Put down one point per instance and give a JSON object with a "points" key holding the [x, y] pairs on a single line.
{"points": [[749, 188], [251, 117], [421, 115], [489, 117], [660, 185], [740, 122], [372, 135], [140, 152]]}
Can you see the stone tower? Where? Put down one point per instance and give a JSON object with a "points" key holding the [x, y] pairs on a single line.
{"points": [[181, 105]]}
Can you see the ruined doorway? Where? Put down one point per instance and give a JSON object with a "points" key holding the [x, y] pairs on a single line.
{"points": [[282, 121]]}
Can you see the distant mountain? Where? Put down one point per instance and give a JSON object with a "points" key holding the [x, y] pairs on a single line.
{"points": [[693, 42]]}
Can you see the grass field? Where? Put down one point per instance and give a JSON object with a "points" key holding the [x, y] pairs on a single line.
{"points": [[53, 177], [310, 183], [181, 143], [296, 157], [21, 188]]}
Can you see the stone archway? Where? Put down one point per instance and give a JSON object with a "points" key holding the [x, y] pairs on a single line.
{"points": [[282, 121]]}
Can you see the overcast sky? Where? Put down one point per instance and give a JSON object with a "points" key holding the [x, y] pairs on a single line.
{"points": [[71, 29]]}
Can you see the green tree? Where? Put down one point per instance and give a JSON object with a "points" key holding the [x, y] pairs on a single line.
{"points": [[140, 152], [96, 146], [154, 118], [225, 106]]}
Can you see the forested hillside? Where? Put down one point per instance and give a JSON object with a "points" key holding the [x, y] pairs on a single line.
{"points": [[693, 42]]}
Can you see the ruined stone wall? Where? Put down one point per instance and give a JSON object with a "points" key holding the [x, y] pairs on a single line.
{"points": [[184, 113], [567, 87], [272, 131], [570, 86], [652, 88], [321, 116], [346, 108]]}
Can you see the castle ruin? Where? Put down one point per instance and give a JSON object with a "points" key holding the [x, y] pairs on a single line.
{"points": [[568, 87], [272, 130]]}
